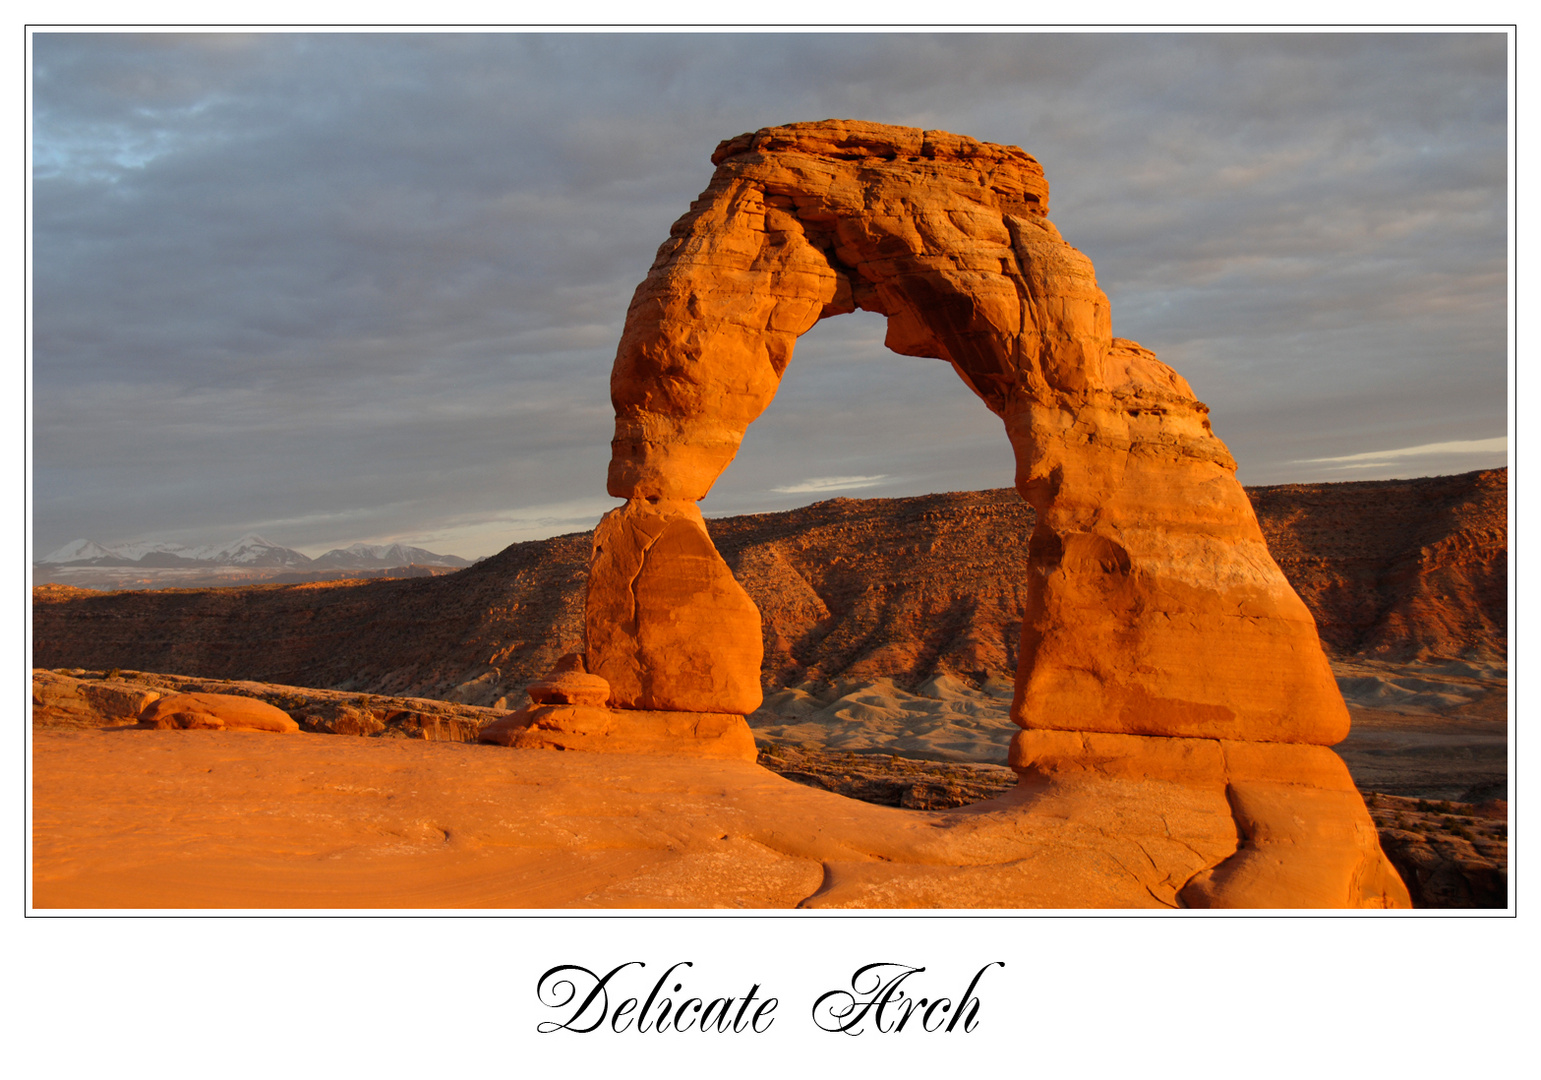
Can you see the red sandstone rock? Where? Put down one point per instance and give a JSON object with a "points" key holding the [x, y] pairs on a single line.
{"points": [[1304, 837], [228, 712], [668, 627], [568, 712], [143, 818], [624, 731], [1152, 605], [569, 684]]}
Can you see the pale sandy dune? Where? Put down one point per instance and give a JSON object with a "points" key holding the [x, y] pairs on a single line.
{"points": [[1446, 687], [946, 720]]}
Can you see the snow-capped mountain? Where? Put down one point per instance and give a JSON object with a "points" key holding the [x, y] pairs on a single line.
{"points": [[77, 551], [250, 550], [137, 551], [373, 556]]}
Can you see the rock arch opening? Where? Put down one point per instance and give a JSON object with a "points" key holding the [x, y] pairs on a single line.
{"points": [[1154, 608], [853, 419]]}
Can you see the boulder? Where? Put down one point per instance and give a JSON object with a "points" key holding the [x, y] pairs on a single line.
{"points": [[221, 712], [569, 684]]}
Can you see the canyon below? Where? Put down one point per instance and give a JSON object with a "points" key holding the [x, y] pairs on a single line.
{"points": [[890, 630]]}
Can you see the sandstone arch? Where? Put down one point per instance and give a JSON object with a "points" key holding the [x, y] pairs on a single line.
{"points": [[1156, 608], [1173, 695]]}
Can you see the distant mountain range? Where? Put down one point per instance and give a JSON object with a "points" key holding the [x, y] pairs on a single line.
{"points": [[250, 551], [379, 556]]}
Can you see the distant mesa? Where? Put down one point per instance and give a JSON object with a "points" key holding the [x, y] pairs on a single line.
{"points": [[1368, 557]]}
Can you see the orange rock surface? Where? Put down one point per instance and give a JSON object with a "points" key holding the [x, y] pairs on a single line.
{"points": [[228, 712], [569, 684], [624, 731], [1304, 835], [668, 627], [568, 711], [184, 819], [1153, 606]]}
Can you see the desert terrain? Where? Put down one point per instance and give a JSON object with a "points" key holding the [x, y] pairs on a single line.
{"points": [[889, 642]]}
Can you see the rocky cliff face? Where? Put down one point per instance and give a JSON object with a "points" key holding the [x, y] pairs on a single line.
{"points": [[1398, 569], [898, 588], [849, 588]]}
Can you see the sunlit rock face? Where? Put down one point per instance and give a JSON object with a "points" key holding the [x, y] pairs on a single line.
{"points": [[1154, 607], [667, 624]]}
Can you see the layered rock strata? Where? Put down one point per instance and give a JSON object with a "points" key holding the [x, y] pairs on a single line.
{"points": [[1424, 574], [64, 701], [1155, 616]]}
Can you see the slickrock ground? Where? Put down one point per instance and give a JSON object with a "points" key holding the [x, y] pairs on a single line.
{"points": [[1427, 841], [848, 589], [134, 818]]}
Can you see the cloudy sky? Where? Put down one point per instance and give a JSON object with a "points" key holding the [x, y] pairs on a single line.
{"points": [[368, 287]]}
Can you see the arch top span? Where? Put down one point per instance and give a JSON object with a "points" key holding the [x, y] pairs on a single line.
{"points": [[946, 236], [1154, 607]]}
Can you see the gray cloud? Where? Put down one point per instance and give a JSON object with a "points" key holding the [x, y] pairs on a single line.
{"points": [[368, 287]]}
